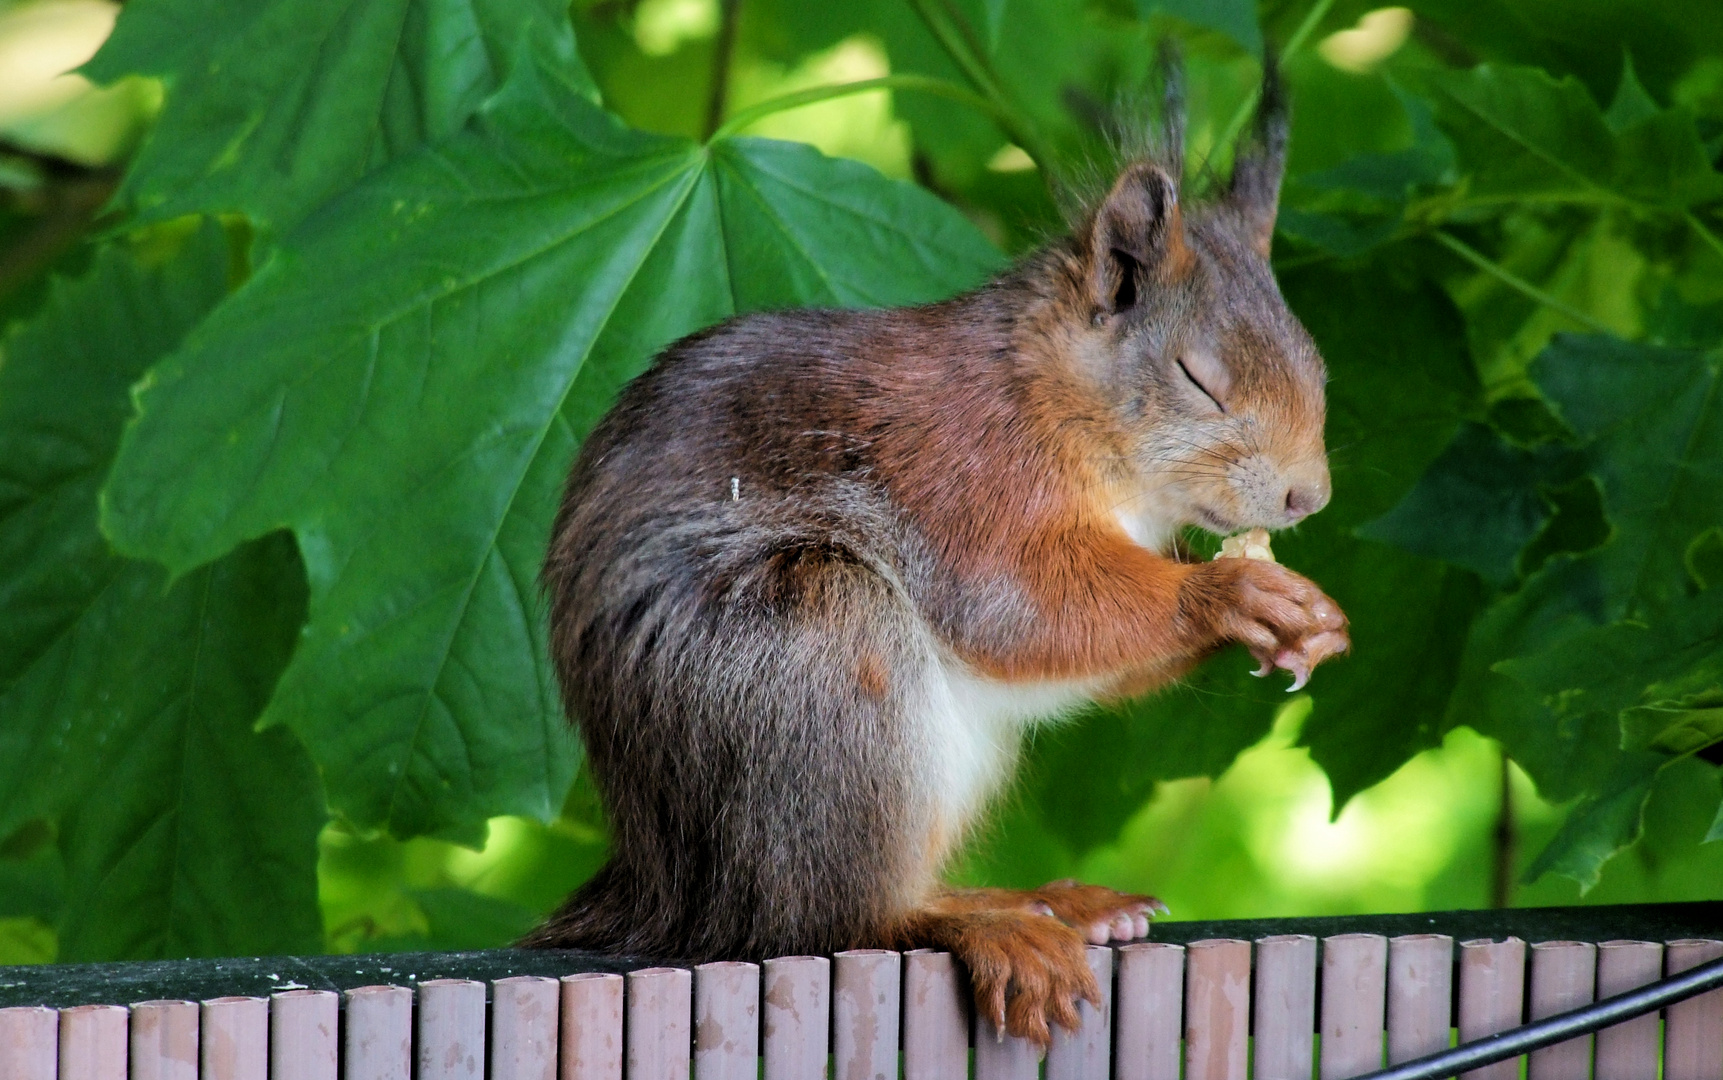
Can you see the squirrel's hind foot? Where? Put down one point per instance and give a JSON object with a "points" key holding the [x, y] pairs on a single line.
{"points": [[1025, 950], [1098, 913]]}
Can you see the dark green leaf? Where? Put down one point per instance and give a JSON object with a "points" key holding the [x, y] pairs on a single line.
{"points": [[1400, 381], [1478, 505], [1612, 648], [1603, 823], [1361, 202], [1585, 38], [1632, 106], [1653, 420], [467, 920], [64, 379], [275, 106], [1576, 524], [1657, 680], [1704, 558], [128, 703], [201, 839], [421, 361], [1522, 134], [1670, 728], [32, 874]]}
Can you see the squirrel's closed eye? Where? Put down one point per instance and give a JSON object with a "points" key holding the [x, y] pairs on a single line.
{"points": [[1198, 383]]}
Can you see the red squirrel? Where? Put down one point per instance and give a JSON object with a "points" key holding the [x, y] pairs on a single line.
{"points": [[816, 572]]}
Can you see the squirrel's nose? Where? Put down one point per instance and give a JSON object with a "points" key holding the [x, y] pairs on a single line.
{"points": [[1302, 500]]}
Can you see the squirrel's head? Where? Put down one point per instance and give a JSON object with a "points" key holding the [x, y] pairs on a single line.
{"points": [[1174, 316]]}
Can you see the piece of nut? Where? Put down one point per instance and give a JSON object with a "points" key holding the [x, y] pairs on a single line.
{"points": [[1252, 544]]}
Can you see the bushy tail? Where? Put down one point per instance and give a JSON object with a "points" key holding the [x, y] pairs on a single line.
{"points": [[608, 914]]}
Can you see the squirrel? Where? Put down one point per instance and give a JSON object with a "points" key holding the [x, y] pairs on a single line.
{"points": [[817, 571]]}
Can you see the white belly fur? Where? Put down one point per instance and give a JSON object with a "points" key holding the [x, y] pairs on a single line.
{"points": [[972, 728]]}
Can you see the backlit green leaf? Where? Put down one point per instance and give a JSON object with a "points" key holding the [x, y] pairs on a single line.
{"points": [[274, 106]]}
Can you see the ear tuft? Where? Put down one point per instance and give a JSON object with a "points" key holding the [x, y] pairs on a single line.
{"points": [[1138, 233], [1256, 173]]}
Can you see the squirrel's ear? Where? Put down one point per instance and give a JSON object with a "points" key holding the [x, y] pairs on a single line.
{"points": [[1138, 230], [1256, 172]]}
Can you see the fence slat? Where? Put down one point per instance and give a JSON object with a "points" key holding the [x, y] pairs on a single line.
{"points": [[1420, 995], [378, 1041], [797, 992], [451, 1029], [163, 1040], [1086, 1053], [1003, 1057], [1285, 1006], [1693, 1029], [233, 1033], [1217, 1009], [1149, 1010], [29, 1042], [523, 1028], [1564, 976], [727, 1021], [1628, 1051], [935, 1028], [1492, 996], [660, 1011], [590, 1034], [93, 1042], [1354, 1004], [302, 1026], [865, 1008]]}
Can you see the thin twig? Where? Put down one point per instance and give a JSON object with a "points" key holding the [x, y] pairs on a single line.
{"points": [[1502, 880], [954, 36], [1514, 281], [1293, 44], [923, 83], [1705, 234], [722, 51]]}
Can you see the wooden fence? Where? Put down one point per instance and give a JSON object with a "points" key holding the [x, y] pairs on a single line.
{"points": [[1280, 1007]]}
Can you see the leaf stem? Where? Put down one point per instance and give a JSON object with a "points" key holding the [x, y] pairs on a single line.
{"points": [[722, 51], [1705, 234], [1311, 20], [955, 37], [1520, 284], [924, 83]]}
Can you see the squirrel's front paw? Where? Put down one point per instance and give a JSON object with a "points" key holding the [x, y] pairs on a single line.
{"points": [[1281, 617]]}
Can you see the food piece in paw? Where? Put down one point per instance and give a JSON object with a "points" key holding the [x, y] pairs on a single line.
{"points": [[1252, 544], [1299, 655]]}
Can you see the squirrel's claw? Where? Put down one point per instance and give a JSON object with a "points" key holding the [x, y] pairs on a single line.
{"points": [[1302, 658]]}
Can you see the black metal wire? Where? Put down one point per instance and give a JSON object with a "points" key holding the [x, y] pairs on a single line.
{"points": [[1559, 1028]]}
